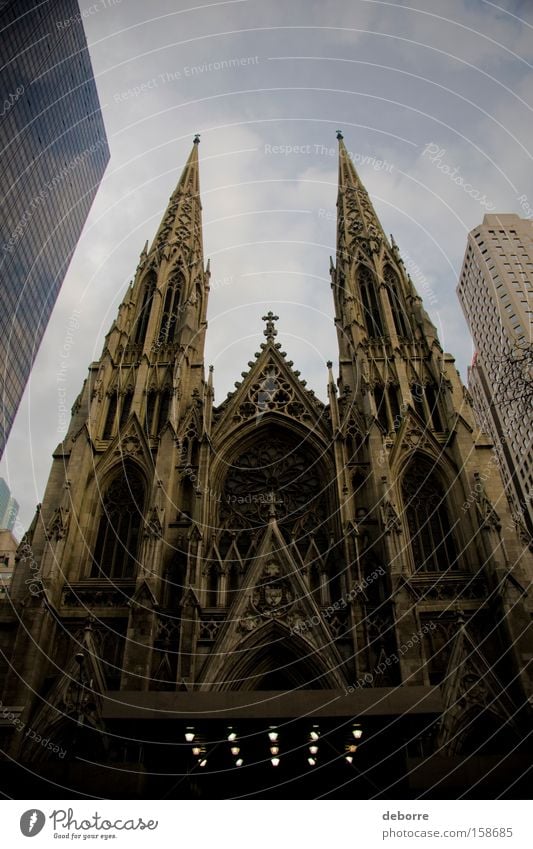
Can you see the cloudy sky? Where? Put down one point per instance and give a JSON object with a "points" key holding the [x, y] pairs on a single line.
{"points": [[420, 89]]}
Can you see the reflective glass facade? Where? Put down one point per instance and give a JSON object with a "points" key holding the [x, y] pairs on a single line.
{"points": [[53, 154]]}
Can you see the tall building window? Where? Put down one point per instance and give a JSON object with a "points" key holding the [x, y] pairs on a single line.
{"points": [[427, 402], [394, 407], [151, 401], [433, 401], [381, 408], [212, 586], [401, 321], [369, 301], [117, 540], [125, 408], [144, 312], [315, 582], [169, 319], [388, 410], [111, 415], [164, 408], [233, 581], [417, 394], [432, 542]]}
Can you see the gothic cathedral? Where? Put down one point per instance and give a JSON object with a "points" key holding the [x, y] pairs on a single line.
{"points": [[274, 596]]}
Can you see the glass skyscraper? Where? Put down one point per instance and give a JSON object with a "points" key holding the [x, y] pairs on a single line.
{"points": [[9, 507], [53, 154]]}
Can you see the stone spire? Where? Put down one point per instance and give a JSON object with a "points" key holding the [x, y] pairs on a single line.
{"points": [[184, 207], [357, 219]]}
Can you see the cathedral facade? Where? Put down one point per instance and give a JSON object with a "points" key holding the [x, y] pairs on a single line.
{"points": [[273, 596]]}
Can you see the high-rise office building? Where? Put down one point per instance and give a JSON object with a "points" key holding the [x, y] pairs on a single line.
{"points": [[9, 507], [53, 154], [496, 293], [271, 595]]}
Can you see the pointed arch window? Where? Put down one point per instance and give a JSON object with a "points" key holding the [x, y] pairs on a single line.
{"points": [[117, 539], [427, 402], [394, 407], [334, 584], [164, 408], [387, 407], [428, 520], [151, 402], [315, 582], [369, 300], [381, 407], [125, 408], [418, 396], [212, 587], [171, 309], [399, 314], [433, 401], [144, 312], [174, 582], [233, 583], [111, 415]]}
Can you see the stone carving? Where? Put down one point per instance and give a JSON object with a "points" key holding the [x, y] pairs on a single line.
{"points": [[272, 597], [59, 523]]}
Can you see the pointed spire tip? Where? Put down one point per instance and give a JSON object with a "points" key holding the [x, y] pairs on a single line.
{"points": [[196, 139], [339, 135]]}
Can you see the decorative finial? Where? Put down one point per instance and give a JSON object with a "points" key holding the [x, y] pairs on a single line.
{"points": [[270, 331], [339, 135], [196, 139]]}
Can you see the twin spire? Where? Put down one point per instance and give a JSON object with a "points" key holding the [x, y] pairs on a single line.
{"points": [[357, 223], [357, 216]]}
